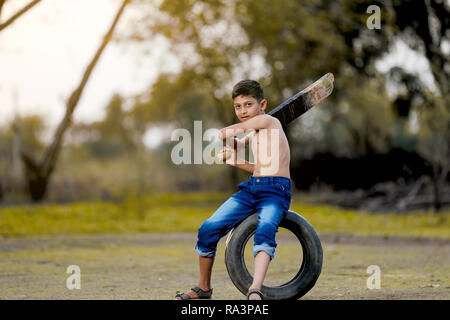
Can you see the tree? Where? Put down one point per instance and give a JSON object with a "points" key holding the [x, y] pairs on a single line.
{"points": [[425, 27], [295, 42], [38, 174], [22, 132], [292, 42], [7, 23]]}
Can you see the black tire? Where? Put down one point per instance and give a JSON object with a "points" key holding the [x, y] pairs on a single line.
{"points": [[309, 270]]}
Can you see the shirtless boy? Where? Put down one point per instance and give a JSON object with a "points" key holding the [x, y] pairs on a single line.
{"points": [[268, 190]]}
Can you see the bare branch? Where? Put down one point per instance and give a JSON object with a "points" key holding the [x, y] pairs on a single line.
{"points": [[49, 159], [18, 14], [2, 2]]}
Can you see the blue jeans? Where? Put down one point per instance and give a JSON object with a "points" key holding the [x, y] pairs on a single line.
{"points": [[270, 196]]}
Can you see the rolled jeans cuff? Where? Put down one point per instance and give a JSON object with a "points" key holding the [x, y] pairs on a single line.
{"points": [[208, 254], [269, 250]]}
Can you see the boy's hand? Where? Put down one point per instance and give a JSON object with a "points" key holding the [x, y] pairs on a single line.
{"points": [[228, 155], [234, 141]]}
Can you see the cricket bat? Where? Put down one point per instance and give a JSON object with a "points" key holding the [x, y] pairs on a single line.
{"points": [[297, 105]]}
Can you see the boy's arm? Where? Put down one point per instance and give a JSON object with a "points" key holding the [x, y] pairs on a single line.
{"points": [[261, 121], [247, 166]]}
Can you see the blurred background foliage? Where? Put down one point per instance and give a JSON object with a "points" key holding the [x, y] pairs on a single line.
{"points": [[384, 134]]}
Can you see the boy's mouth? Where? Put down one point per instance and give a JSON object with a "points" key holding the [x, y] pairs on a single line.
{"points": [[244, 117]]}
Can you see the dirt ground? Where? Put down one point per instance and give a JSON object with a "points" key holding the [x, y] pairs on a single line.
{"points": [[155, 266]]}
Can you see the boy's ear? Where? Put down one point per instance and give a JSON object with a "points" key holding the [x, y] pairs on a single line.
{"points": [[263, 104]]}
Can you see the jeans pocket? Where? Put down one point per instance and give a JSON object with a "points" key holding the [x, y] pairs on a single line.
{"points": [[285, 189], [282, 186]]}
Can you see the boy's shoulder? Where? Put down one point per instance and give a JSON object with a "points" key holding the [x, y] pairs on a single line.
{"points": [[271, 120], [271, 123]]}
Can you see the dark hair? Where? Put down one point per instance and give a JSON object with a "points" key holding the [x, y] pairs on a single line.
{"points": [[248, 88]]}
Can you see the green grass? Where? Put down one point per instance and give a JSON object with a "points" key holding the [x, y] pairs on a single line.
{"points": [[185, 213]]}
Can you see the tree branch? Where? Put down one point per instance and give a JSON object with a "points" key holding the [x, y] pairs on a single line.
{"points": [[52, 152], [18, 14], [2, 2]]}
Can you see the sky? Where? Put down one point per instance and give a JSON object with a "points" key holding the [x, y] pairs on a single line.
{"points": [[44, 53]]}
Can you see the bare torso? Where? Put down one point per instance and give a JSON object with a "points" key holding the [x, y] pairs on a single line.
{"points": [[271, 152]]}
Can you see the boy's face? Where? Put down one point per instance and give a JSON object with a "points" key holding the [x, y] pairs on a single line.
{"points": [[246, 107]]}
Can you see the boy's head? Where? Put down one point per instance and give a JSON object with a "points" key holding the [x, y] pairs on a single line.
{"points": [[248, 98]]}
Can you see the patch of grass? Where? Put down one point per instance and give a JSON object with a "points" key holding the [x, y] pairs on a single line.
{"points": [[421, 224], [184, 212]]}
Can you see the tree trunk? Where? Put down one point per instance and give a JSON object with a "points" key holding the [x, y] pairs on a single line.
{"points": [[36, 182], [38, 175]]}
